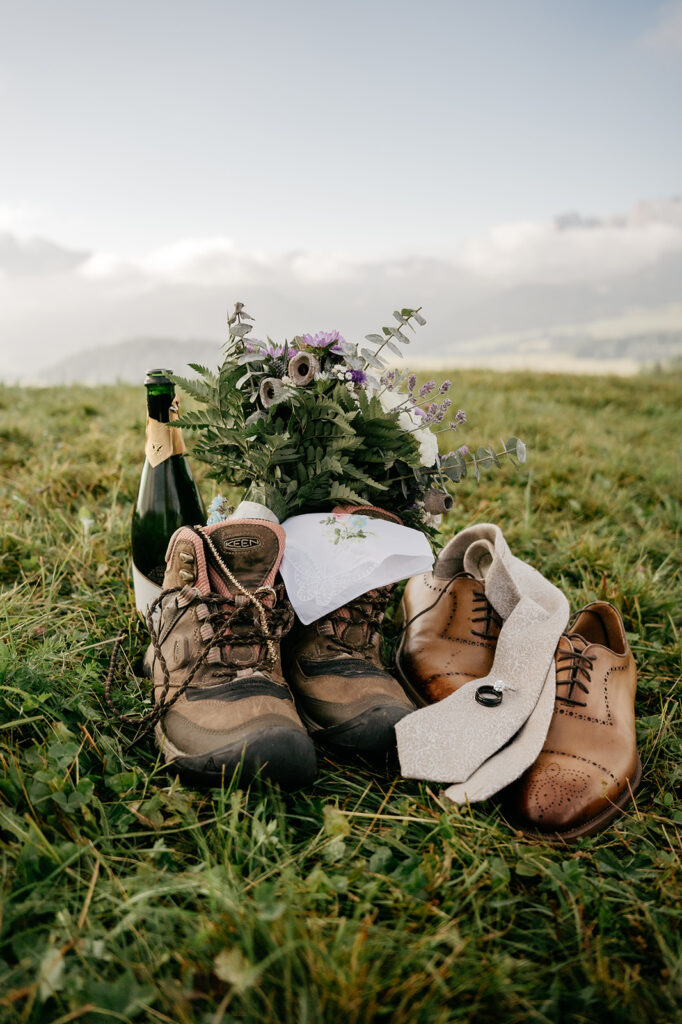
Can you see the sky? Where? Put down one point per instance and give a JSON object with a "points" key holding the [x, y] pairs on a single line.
{"points": [[154, 136]]}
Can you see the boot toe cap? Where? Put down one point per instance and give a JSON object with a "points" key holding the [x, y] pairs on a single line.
{"points": [[370, 733], [273, 747]]}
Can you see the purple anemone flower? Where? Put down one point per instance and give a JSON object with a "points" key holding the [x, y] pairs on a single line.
{"points": [[325, 339]]}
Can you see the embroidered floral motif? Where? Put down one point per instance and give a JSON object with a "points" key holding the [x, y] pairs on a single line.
{"points": [[344, 526]]}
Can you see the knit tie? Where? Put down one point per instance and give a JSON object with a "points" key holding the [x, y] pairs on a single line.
{"points": [[461, 740]]}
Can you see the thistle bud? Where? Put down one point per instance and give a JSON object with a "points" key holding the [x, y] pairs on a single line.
{"points": [[270, 391], [436, 502], [302, 369]]}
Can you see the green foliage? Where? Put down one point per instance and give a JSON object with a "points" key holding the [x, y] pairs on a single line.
{"points": [[128, 896], [323, 443]]}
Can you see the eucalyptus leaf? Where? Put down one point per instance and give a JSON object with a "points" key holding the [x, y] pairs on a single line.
{"points": [[483, 458], [493, 456], [372, 359], [395, 333], [250, 357], [240, 330]]}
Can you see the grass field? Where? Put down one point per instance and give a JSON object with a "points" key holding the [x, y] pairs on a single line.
{"points": [[128, 897]]}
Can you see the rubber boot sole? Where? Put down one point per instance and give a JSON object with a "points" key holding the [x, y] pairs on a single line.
{"points": [[371, 733], [283, 754]]}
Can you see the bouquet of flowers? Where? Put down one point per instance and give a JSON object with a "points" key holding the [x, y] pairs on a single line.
{"points": [[320, 421]]}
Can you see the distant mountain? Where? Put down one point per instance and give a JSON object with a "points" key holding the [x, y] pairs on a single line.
{"points": [[624, 343], [128, 361]]}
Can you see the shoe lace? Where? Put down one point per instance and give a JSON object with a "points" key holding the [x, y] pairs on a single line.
{"points": [[575, 664], [273, 618], [489, 616], [368, 611]]}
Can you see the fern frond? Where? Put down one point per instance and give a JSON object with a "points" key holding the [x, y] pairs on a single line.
{"points": [[343, 493]]}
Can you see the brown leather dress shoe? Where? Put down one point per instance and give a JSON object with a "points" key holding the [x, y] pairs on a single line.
{"points": [[589, 766], [449, 638]]}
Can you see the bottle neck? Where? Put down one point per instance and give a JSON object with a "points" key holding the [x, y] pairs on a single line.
{"points": [[159, 401]]}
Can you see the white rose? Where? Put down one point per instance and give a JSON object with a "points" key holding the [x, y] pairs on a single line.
{"points": [[391, 400], [428, 446], [407, 420]]}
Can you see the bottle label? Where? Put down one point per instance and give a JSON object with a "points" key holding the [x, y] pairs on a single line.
{"points": [[163, 440], [145, 591]]}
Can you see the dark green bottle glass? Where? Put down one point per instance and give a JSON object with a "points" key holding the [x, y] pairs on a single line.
{"points": [[168, 496]]}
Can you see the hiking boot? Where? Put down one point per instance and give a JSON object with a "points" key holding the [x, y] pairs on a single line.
{"points": [[346, 697], [589, 766], [214, 659], [450, 635]]}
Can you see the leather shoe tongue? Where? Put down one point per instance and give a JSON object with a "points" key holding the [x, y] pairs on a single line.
{"points": [[570, 642], [250, 551]]}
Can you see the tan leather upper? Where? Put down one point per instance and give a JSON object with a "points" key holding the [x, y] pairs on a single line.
{"points": [[451, 642], [590, 754], [334, 664]]}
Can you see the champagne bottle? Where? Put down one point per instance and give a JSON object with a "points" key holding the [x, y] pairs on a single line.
{"points": [[168, 496]]}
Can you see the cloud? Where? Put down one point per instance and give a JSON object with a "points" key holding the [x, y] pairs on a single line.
{"points": [[35, 257], [214, 261], [666, 34], [55, 301], [574, 248], [571, 248]]}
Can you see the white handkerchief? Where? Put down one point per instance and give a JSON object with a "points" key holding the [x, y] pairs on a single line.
{"points": [[331, 558]]}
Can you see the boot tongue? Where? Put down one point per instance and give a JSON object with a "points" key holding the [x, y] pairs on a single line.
{"points": [[251, 551]]}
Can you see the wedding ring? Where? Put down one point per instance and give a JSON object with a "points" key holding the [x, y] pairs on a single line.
{"points": [[489, 696]]}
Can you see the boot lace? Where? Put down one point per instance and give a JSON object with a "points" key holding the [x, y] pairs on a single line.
{"points": [[367, 611], [575, 664]]}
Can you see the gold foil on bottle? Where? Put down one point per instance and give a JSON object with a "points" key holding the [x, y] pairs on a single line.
{"points": [[163, 440]]}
